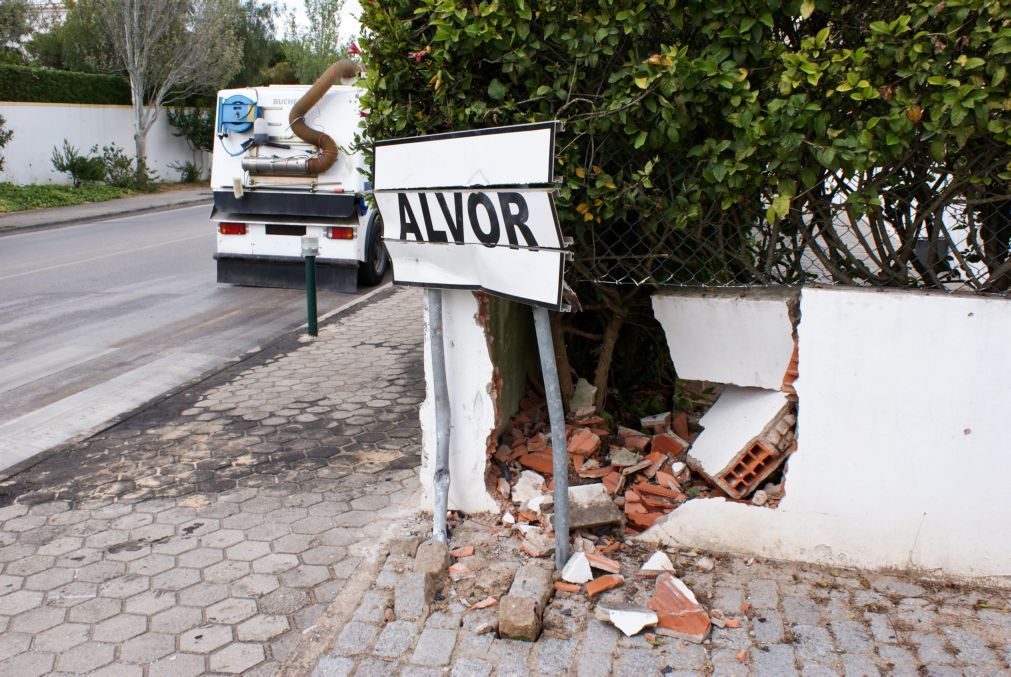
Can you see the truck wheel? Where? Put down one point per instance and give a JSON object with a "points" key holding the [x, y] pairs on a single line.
{"points": [[372, 270]]}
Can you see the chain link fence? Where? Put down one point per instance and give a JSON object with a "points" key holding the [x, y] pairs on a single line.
{"points": [[901, 228]]}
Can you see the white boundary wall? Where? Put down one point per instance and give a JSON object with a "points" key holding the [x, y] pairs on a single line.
{"points": [[885, 474], [904, 440], [38, 127]]}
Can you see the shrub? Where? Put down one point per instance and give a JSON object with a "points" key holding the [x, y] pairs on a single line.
{"points": [[189, 172], [81, 168], [196, 125], [21, 83], [119, 168], [5, 137]]}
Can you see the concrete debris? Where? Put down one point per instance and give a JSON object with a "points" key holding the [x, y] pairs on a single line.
{"points": [[520, 611], [623, 458], [508, 519], [658, 563], [537, 544], [529, 485], [540, 503], [628, 618], [591, 506], [582, 396], [577, 569], [658, 423], [504, 488], [680, 614]]}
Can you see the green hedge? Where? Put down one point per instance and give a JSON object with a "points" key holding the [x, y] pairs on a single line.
{"points": [[21, 83]]}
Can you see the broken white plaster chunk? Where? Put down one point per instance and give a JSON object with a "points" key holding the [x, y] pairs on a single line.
{"points": [[760, 498], [626, 617], [577, 570], [503, 487], [659, 561], [677, 467], [508, 519], [542, 501], [529, 485]]}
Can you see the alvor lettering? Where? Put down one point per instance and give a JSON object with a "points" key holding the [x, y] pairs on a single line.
{"points": [[488, 216]]}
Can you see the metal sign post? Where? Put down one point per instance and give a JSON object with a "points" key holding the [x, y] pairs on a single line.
{"points": [[481, 218], [310, 248]]}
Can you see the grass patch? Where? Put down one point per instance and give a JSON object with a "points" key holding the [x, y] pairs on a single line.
{"points": [[19, 198]]}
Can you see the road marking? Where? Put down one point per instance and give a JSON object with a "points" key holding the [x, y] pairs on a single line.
{"points": [[103, 256]]}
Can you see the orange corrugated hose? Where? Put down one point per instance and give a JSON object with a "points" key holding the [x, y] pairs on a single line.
{"points": [[327, 156]]}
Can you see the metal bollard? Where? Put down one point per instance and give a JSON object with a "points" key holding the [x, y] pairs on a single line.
{"points": [[310, 248]]}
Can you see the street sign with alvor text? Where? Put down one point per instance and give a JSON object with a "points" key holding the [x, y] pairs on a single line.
{"points": [[474, 210]]}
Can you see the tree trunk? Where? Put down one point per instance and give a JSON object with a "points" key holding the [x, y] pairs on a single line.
{"points": [[610, 340], [140, 141], [561, 357]]}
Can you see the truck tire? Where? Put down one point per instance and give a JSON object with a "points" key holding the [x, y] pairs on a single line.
{"points": [[372, 270]]}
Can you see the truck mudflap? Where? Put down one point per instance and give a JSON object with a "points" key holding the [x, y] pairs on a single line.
{"points": [[286, 273]]}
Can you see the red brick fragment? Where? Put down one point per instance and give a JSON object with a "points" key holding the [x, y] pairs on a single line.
{"points": [[596, 473], [562, 586], [680, 614], [606, 582], [644, 519], [484, 603], [634, 508], [673, 494], [670, 444], [679, 424], [666, 480], [541, 462], [633, 439], [612, 482], [578, 461], [537, 443], [463, 551], [598, 561], [584, 442]]}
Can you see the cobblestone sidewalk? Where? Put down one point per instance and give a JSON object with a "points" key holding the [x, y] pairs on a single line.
{"points": [[794, 619], [207, 533]]}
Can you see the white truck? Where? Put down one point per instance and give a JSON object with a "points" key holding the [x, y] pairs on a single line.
{"points": [[281, 170]]}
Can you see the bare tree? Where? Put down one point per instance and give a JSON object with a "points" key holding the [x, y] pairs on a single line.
{"points": [[169, 49]]}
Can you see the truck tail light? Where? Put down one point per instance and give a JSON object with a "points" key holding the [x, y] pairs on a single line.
{"points": [[228, 228], [340, 233]]}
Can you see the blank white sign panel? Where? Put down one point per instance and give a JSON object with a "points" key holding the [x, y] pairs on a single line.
{"points": [[531, 276], [508, 218], [515, 155]]}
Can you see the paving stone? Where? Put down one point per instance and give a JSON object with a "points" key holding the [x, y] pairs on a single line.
{"points": [[231, 611], [236, 658], [61, 638], [881, 627], [175, 579], [773, 660], [150, 602], [898, 660], [261, 628], [85, 658], [334, 666], [434, 647], [283, 601], [355, 638], [930, 648], [856, 665], [411, 597], [178, 665], [553, 655], [254, 585], [119, 628], [471, 667], [396, 639], [375, 667], [205, 638], [19, 601], [147, 647], [768, 627], [118, 670], [13, 643], [801, 611], [29, 664], [37, 620], [372, 608], [969, 647], [176, 620]]}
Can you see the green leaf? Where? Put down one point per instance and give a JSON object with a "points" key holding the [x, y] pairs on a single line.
{"points": [[642, 82], [640, 140], [807, 8], [496, 90]]}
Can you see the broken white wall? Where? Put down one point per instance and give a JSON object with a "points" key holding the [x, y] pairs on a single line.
{"points": [[903, 440], [734, 336], [472, 405]]}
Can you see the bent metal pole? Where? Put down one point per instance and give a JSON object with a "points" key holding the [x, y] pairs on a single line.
{"points": [[556, 415], [440, 484]]}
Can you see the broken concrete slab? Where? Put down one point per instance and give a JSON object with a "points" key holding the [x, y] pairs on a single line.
{"points": [[591, 506], [582, 395], [529, 485], [735, 336], [747, 434], [520, 611], [628, 618]]}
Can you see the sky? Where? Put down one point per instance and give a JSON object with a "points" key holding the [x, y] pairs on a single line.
{"points": [[349, 18]]}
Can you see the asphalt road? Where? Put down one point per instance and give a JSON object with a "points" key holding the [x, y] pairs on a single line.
{"points": [[97, 319]]}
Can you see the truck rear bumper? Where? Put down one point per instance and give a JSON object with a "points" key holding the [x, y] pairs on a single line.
{"points": [[286, 273]]}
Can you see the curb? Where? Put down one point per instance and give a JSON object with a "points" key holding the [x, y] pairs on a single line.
{"points": [[28, 463], [74, 221]]}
